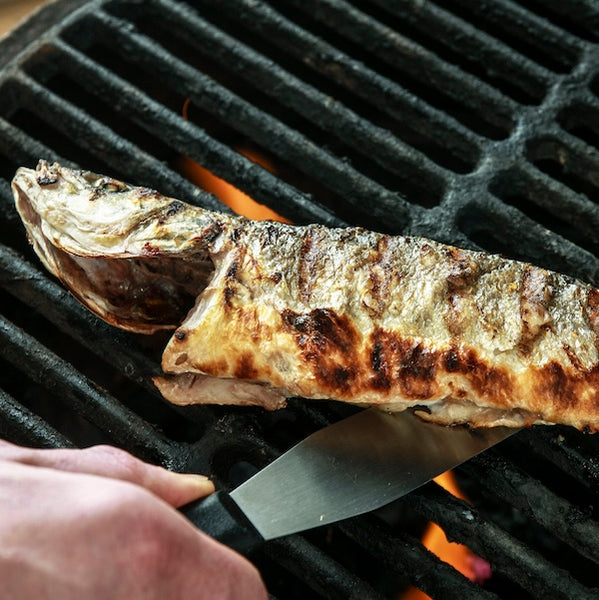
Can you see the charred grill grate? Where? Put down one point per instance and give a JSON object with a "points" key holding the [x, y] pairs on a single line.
{"points": [[473, 123]]}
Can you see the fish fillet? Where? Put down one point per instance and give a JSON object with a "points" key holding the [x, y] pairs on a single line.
{"points": [[263, 311]]}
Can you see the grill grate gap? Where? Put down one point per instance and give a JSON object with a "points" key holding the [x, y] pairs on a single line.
{"points": [[38, 128], [159, 90], [583, 22], [332, 75], [556, 160], [520, 33], [508, 78], [526, 194], [7, 170], [407, 179], [582, 121]]}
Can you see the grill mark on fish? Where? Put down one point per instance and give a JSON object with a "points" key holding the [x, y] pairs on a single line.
{"points": [[172, 209], [228, 294], [463, 272], [414, 369], [535, 297], [309, 258], [382, 275]]}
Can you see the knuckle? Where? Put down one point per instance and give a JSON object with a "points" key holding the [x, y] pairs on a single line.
{"points": [[122, 464]]}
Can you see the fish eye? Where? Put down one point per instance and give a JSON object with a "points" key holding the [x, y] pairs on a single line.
{"points": [[109, 185]]}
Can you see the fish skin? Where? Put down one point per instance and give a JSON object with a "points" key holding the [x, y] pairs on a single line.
{"points": [[264, 310]]}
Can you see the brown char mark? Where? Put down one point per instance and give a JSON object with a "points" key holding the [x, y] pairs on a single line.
{"points": [[228, 294], [393, 364], [381, 273], [245, 367], [415, 370], [556, 387], [329, 343], [171, 210]]}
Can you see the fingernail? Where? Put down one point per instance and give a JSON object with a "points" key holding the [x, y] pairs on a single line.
{"points": [[198, 481]]}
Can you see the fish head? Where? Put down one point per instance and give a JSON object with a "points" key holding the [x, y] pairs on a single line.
{"points": [[132, 256]]}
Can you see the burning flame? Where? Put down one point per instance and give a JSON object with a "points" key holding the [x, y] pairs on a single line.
{"points": [[459, 556], [233, 197]]}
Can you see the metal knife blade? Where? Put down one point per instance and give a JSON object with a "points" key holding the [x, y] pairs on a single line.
{"points": [[355, 466]]}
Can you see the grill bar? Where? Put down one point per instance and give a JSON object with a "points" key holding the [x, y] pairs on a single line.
{"points": [[491, 106], [358, 134], [477, 50], [564, 449], [355, 77], [400, 552], [58, 376], [24, 427], [527, 494], [581, 17], [555, 48], [119, 154], [328, 577], [506, 554]]}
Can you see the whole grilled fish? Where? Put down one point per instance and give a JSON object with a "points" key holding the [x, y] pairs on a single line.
{"points": [[263, 310]]}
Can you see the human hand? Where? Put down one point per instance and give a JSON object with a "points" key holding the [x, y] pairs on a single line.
{"points": [[99, 523]]}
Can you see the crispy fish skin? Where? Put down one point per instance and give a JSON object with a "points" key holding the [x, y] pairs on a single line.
{"points": [[345, 314]]}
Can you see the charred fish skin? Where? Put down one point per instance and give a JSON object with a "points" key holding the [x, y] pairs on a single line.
{"points": [[347, 314]]}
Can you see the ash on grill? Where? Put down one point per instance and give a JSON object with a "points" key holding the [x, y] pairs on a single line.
{"points": [[476, 124]]}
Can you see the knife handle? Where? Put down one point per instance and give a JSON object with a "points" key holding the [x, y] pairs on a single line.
{"points": [[218, 516]]}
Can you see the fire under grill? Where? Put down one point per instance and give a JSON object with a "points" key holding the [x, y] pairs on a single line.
{"points": [[473, 123]]}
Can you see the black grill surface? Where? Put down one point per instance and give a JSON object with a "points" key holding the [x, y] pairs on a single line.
{"points": [[473, 123]]}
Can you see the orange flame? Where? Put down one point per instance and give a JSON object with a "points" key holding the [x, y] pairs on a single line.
{"points": [[233, 197], [457, 555]]}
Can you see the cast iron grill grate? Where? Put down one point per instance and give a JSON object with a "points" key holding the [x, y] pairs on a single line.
{"points": [[472, 123]]}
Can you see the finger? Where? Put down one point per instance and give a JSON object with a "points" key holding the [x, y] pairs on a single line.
{"points": [[107, 461]]}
